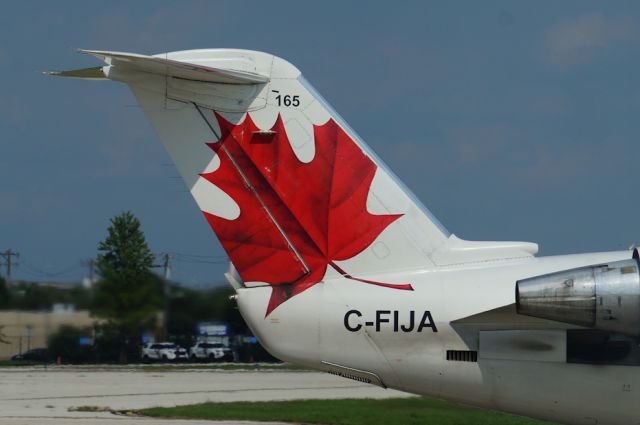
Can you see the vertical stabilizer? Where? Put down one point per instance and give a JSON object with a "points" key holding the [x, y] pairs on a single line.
{"points": [[293, 194]]}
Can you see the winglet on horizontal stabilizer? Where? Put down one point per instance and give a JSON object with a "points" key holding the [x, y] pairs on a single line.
{"points": [[93, 73], [174, 68]]}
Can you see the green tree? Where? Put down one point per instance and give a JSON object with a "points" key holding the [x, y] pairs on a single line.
{"points": [[27, 296], [65, 344], [35, 297], [128, 295]]}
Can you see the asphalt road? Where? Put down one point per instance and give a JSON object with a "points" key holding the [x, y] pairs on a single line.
{"points": [[49, 396]]}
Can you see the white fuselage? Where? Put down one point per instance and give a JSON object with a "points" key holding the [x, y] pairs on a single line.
{"points": [[370, 335]]}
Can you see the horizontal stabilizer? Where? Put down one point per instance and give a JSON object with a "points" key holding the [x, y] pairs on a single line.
{"points": [[459, 251], [179, 69]]}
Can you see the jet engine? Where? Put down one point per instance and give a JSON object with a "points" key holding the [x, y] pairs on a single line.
{"points": [[603, 296]]}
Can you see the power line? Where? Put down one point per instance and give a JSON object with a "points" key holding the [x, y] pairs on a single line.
{"points": [[182, 260], [35, 270], [199, 259], [8, 256], [213, 257], [9, 260]]}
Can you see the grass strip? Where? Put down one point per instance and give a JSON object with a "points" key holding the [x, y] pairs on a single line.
{"points": [[405, 411]]}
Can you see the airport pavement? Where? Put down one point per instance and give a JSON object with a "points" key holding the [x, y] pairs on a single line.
{"points": [[49, 396]]}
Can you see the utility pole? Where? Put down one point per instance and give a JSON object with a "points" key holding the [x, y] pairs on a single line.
{"points": [[90, 264], [166, 267], [8, 256]]}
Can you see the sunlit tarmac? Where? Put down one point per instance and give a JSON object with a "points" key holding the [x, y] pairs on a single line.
{"points": [[37, 395]]}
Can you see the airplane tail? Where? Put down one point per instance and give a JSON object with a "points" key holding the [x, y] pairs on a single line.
{"points": [[293, 194]]}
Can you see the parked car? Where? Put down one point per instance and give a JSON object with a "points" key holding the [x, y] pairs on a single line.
{"points": [[210, 351], [182, 354], [163, 351], [34, 355]]}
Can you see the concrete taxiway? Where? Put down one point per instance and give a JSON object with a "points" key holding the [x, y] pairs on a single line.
{"points": [[49, 396]]}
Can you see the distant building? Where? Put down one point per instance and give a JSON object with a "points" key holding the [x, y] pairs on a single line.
{"points": [[29, 329], [58, 285], [63, 308], [215, 332]]}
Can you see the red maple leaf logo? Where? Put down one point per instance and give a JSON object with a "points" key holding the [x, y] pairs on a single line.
{"points": [[295, 218]]}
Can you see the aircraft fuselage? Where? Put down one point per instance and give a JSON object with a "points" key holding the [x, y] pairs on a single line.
{"points": [[456, 336]]}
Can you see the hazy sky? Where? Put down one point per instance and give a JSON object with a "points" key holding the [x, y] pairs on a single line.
{"points": [[510, 120]]}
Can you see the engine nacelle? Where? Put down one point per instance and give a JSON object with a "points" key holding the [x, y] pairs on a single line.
{"points": [[603, 296]]}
